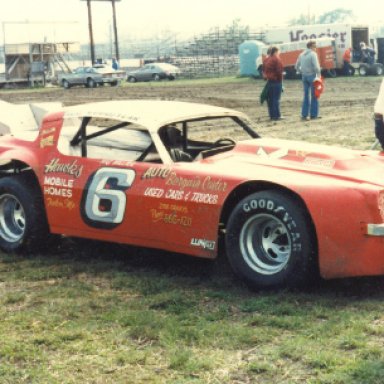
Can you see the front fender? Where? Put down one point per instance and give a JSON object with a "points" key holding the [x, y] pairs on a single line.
{"points": [[340, 214]]}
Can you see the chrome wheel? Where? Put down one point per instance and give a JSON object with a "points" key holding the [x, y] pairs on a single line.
{"points": [[265, 244], [12, 218], [270, 240]]}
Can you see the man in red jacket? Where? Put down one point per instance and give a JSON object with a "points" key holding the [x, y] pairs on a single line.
{"points": [[273, 72], [348, 69]]}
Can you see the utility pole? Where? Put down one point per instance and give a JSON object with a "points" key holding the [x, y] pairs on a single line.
{"points": [[117, 53], [91, 40]]}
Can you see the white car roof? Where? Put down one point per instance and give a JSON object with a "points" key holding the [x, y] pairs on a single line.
{"points": [[151, 114]]}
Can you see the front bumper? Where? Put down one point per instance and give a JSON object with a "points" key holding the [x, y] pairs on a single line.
{"points": [[109, 80]]}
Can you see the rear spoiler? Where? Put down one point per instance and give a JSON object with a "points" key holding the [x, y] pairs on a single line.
{"points": [[24, 117]]}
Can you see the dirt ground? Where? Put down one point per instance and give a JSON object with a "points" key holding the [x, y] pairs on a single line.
{"points": [[346, 106]]}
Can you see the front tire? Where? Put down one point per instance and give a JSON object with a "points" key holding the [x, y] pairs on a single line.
{"points": [[23, 222], [270, 241], [91, 83]]}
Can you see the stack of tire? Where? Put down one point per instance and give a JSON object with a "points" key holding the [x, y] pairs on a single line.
{"points": [[376, 69]]}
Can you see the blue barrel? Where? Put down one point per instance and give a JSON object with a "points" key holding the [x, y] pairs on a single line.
{"points": [[249, 51]]}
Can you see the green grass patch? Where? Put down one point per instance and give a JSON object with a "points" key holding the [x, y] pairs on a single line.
{"points": [[89, 312], [130, 318]]}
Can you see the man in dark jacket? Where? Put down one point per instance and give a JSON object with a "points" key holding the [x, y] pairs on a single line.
{"points": [[378, 113], [273, 72]]}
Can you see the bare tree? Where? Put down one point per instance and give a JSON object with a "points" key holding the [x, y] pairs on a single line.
{"points": [[335, 16]]}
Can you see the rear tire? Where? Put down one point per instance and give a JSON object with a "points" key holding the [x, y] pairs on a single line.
{"points": [[331, 73], [291, 73], [66, 84], [378, 69], [23, 224], [270, 241], [363, 70]]}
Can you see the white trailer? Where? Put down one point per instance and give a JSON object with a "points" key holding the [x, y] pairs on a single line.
{"points": [[289, 52], [345, 36]]}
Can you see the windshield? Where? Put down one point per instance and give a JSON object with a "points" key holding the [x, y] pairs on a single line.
{"points": [[223, 127]]}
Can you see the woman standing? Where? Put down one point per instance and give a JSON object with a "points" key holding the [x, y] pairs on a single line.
{"points": [[273, 72]]}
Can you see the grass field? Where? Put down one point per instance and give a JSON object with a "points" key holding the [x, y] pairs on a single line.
{"points": [[131, 315], [89, 312]]}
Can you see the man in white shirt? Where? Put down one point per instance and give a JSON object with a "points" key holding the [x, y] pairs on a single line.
{"points": [[308, 65]]}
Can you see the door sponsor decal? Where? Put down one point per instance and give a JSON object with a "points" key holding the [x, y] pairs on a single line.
{"points": [[181, 195], [72, 168], [59, 188], [171, 214], [209, 187], [204, 183]]}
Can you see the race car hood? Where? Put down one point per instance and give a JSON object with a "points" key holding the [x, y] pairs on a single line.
{"points": [[347, 164]]}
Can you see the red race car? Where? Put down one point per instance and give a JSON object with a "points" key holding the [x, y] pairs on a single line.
{"points": [[179, 176]]}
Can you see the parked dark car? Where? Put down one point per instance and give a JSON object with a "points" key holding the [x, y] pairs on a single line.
{"points": [[88, 77], [153, 71]]}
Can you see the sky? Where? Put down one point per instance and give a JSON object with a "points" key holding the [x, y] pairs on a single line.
{"points": [[141, 19]]}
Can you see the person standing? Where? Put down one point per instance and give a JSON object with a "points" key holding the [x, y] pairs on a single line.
{"points": [[367, 54], [348, 69], [378, 116], [115, 64], [308, 65], [273, 73]]}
